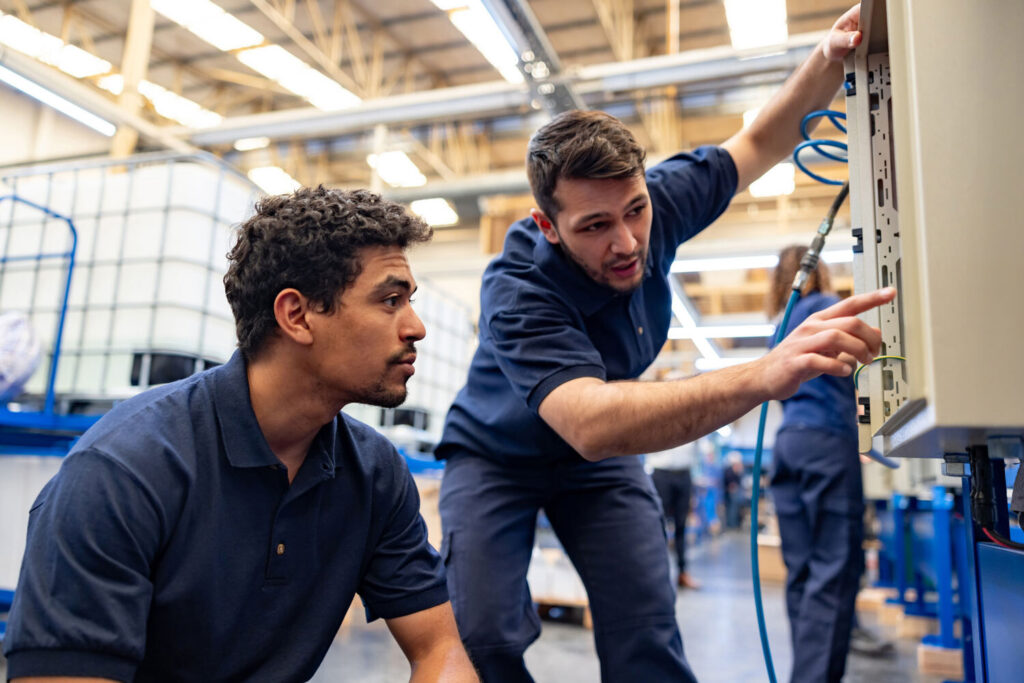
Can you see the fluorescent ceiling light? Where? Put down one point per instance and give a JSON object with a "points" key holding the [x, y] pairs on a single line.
{"points": [[273, 180], [756, 23], [50, 49], [725, 431], [706, 364], [721, 331], [701, 265], [54, 100], [209, 22], [479, 27], [778, 181], [173, 106], [293, 74], [166, 103], [249, 144], [437, 212], [396, 169]]}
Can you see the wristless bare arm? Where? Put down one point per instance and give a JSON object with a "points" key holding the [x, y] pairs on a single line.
{"points": [[606, 419]]}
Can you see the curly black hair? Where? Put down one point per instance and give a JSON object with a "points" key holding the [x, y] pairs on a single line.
{"points": [[309, 240]]}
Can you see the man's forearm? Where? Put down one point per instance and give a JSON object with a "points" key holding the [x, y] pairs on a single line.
{"points": [[622, 418], [776, 130], [449, 664], [812, 86]]}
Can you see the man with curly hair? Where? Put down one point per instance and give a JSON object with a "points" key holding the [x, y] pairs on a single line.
{"points": [[218, 528]]}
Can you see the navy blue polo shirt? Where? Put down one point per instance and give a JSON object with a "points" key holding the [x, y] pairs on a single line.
{"points": [[824, 403], [170, 546], [544, 321]]}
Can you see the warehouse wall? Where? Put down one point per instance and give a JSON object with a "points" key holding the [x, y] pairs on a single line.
{"points": [[32, 131]]}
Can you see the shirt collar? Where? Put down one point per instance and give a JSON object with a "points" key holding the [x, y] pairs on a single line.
{"points": [[584, 293], [244, 443]]}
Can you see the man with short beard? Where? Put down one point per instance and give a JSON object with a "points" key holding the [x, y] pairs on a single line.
{"points": [[218, 528], [577, 304]]}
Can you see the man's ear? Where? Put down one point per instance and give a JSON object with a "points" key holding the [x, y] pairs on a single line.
{"points": [[546, 225], [291, 310]]}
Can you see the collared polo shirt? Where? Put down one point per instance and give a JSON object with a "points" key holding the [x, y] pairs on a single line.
{"points": [[544, 321], [825, 403], [170, 545]]}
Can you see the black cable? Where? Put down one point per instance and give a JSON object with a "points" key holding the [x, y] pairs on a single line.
{"points": [[999, 539]]}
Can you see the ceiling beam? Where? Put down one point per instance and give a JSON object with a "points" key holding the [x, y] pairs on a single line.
{"points": [[90, 99], [459, 102]]}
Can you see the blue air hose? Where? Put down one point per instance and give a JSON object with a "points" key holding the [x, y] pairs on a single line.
{"points": [[807, 265]]}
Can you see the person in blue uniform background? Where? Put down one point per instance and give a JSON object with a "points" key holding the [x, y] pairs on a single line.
{"points": [[577, 304], [818, 494]]}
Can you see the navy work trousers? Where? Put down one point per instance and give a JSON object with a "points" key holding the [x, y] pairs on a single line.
{"points": [[819, 498], [675, 488], [607, 517]]}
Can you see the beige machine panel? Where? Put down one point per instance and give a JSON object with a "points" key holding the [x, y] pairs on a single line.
{"points": [[936, 195]]}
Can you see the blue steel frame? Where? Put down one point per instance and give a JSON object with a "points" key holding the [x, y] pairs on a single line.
{"points": [[991, 642], [45, 432], [929, 546]]}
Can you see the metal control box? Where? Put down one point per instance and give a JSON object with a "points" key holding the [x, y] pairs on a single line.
{"points": [[933, 105]]}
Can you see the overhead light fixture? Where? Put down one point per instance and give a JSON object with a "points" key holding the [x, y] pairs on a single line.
{"points": [[721, 331], [273, 180], [166, 103], [293, 74], [396, 169], [478, 26], [436, 211], [780, 180], [52, 99], [249, 144], [49, 49], [756, 23], [181, 109], [209, 22], [701, 265]]}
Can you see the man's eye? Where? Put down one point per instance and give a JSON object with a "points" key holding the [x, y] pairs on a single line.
{"points": [[594, 226], [392, 301]]}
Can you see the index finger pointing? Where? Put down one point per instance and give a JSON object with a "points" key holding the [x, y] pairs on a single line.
{"points": [[858, 303]]}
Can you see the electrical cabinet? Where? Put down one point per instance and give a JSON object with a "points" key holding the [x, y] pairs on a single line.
{"points": [[934, 106]]}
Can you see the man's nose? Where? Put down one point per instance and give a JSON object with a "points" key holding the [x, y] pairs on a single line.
{"points": [[413, 328], [623, 241]]}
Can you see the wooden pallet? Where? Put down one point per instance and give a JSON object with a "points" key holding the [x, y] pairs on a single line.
{"points": [[940, 661]]}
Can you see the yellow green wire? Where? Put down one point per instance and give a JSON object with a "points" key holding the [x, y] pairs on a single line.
{"points": [[857, 373]]}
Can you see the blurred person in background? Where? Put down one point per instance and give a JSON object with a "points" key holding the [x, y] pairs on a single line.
{"points": [[818, 495], [671, 472]]}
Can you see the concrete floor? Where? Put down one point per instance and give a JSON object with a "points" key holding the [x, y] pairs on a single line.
{"points": [[718, 625]]}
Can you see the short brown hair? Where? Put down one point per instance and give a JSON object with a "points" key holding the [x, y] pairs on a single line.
{"points": [[782, 279], [580, 144], [310, 240]]}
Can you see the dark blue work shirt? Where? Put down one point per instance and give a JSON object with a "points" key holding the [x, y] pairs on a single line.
{"points": [[824, 403], [544, 322], [171, 547]]}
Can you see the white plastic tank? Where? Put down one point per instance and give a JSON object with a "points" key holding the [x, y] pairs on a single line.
{"points": [[153, 233]]}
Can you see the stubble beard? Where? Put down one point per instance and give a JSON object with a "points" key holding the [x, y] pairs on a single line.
{"points": [[599, 276], [383, 396]]}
